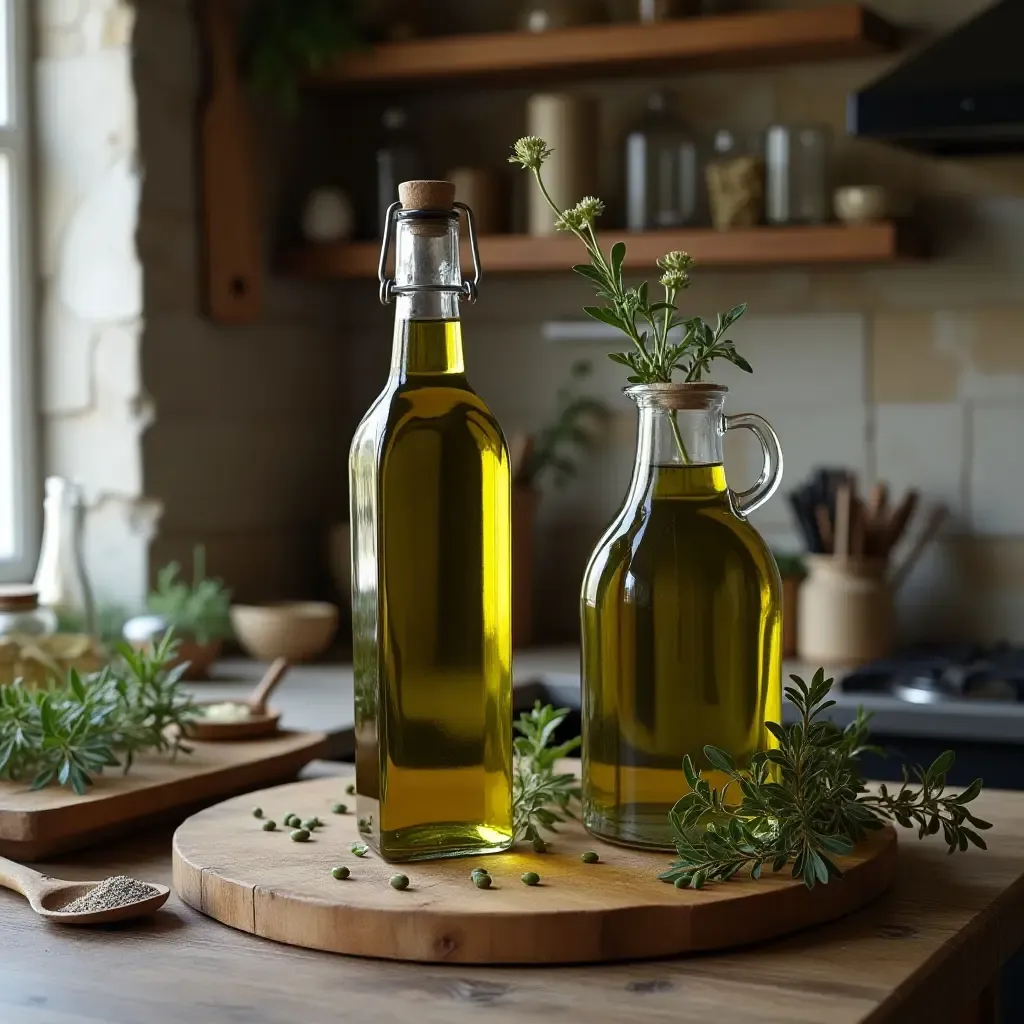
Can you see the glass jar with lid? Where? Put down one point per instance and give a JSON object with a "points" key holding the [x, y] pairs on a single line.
{"points": [[735, 180], [662, 176], [20, 614], [796, 173]]}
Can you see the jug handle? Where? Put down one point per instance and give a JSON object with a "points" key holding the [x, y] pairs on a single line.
{"points": [[745, 502]]}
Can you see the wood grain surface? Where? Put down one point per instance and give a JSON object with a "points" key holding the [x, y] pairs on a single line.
{"points": [[925, 951], [43, 822], [746, 39], [264, 883]]}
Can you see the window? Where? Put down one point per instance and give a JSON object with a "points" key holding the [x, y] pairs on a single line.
{"points": [[19, 504]]}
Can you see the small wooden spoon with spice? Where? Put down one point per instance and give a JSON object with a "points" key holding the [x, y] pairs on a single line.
{"points": [[114, 899], [260, 721]]}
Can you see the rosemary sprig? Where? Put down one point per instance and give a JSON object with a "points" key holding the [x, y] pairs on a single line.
{"points": [[71, 731], [541, 797], [805, 802], [654, 358]]}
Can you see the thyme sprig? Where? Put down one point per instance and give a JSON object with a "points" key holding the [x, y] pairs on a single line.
{"points": [[541, 796], [69, 732], [805, 802], [654, 357]]}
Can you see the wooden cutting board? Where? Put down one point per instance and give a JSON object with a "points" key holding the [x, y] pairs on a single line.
{"points": [[39, 824], [263, 883]]}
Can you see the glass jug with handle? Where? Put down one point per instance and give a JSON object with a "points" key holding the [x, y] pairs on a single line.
{"points": [[681, 618]]}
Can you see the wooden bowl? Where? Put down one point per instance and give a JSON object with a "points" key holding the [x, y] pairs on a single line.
{"points": [[248, 729], [297, 631]]}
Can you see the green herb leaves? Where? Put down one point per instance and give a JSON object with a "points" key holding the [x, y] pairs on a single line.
{"points": [[541, 797], [805, 802], [655, 356], [69, 733], [199, 611]]}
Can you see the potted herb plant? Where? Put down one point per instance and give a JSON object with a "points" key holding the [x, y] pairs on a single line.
{"points": [[197, 612], [552, 453]]}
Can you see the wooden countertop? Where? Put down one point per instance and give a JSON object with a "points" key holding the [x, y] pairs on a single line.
{"points": [[925, 952]]}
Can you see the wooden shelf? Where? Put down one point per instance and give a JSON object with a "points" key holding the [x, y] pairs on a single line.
{"points": [[685, 44], [834, 244]]}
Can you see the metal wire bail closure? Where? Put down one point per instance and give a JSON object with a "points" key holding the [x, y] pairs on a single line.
{"points": [[469, 290]]}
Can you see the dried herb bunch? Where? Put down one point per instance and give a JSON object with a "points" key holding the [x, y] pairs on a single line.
{"points": [[805, 802], [71, 731], [541, 796], [654, 357]]}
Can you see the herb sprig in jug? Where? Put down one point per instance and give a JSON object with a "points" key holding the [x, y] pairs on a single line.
{"points": [[654, 357]]}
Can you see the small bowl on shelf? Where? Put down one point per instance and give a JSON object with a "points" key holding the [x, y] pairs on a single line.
{"points": [[862, 204], [296, 630]]}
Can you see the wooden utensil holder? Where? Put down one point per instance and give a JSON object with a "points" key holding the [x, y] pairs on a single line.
{"points": [[845, 611]]}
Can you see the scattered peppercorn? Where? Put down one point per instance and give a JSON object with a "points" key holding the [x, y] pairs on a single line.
{"points": [[530, 878], [289, 818], [341, 872], [257, 812], [590, 857], [399, 882], [482, 881], [359, 849], [681, 883], [350, 789], [539, 846], [309, 824], [300, 835], [269, 826], [339, 809], [478, 871]]}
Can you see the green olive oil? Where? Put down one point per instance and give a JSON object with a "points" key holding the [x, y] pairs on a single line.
{"points": [[682, 647], [431, 510]]}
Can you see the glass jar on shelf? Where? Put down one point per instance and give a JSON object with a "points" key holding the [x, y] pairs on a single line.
{"points": [[797, 173], [662, 176], [21, 616], [735, 181]]}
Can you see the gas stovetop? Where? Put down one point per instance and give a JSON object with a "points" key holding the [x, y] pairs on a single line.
{"points": [[935, 675]]}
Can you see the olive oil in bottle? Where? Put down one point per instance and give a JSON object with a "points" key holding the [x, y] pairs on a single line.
{"points": [[681, 623], [431, 582]]}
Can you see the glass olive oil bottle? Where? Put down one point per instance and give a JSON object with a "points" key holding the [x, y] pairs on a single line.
{"points": [[431, 567], [681, 619]]}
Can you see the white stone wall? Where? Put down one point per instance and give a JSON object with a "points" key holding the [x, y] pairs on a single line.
{"points": [[88, 181]]}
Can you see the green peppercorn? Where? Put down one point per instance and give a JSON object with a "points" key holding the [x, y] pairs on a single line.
{"points": [[359, 849], [478, 871], [399, 882], [530, 878], [482, 881], [350, 790], [289, 819], [590, 857], [257, 812], [309, 824], [341, 873], [339, 809], [269, 826], [682, 882], [539, 846], [300, 835]]}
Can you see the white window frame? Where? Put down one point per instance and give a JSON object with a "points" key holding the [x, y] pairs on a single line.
{"points": [[16, 141]]}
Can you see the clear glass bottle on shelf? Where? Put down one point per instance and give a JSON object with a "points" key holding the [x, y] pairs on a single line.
{"points": [[61, 581], [797, 174], [681, 618], [430, 487], [662, 174], [398, 159]]}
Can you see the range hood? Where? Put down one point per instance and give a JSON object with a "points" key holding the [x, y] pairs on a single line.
{"points": [[962, 94]]}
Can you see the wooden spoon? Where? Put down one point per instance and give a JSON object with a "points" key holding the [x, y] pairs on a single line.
{"points": [[47, 895], [261, 721]]}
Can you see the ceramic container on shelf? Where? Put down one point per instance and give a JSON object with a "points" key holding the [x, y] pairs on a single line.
{"points": [[863, 204], [568, 124], [481, 191], [845, 611], [680, 616]]}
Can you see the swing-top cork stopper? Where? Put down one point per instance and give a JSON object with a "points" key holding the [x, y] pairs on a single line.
{"points": [[426, 195]]}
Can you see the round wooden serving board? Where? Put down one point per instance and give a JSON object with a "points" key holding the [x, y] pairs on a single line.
{"points": [[261, 882]]}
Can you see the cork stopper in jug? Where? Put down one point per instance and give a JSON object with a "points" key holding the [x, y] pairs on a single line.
{"points": [[426, 195]]}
